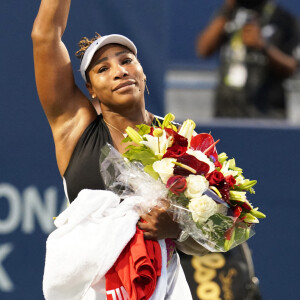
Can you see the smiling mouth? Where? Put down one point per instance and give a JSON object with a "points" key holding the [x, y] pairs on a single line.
{"points": [[123, 85]]}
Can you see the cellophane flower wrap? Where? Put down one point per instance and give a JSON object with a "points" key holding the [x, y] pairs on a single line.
{"points": [[207, 193]]}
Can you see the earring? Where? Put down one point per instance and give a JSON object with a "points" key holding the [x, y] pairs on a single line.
{"points": [[146, 87], [93, 96]]}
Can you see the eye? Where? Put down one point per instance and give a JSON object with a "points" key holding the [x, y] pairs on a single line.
{"points": [[126, 61], [102, 69]]}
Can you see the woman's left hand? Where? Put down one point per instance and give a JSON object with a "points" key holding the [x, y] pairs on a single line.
{"points": [[158, 224]]}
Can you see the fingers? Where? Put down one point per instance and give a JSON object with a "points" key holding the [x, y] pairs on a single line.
{"points": [[149, 231], [158, 225], [143, 225], [154, 212], [150, 236]]}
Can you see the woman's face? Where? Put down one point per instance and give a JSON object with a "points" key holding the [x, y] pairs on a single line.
{"points": [[116, 77]]}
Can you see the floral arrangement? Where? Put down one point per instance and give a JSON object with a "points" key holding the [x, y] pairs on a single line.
{"points": [[206, 190]]}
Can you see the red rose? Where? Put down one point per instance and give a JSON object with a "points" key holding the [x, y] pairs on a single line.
{"points": [[175, 151], [176, 184], [230, 180], [215, 178]]}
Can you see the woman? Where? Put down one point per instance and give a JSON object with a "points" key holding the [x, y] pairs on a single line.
{"points": [[113, 75]]}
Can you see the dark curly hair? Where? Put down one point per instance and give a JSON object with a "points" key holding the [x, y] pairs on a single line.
{"points": [[84, 43]]}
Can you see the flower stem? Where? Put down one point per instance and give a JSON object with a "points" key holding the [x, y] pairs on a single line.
{"points": [[212, 145]]}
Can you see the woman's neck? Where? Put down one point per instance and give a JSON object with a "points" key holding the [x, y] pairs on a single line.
{"points": [[121, 120]]}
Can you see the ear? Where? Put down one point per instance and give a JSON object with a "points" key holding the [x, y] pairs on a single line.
{"points": [[90, 90]]}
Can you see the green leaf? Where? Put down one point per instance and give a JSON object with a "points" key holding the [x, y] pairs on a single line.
{"points": [[127, 139], [257, 214], [167, 120], [247, 185], [222, 157], [231, 163], [135, 137], [221, 220], [180, 199], [241, 232], [228, 243], [158, 122], [142, 154], [250, 218], [143, 129], [215, 228], [149, 169]]}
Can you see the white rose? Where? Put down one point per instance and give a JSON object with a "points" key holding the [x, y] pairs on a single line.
{"points": [[164, 168], [202, 157], [196, 186], [202, 208]]}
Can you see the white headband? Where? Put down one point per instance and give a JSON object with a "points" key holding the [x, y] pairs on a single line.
{"points": [[99, 43]]}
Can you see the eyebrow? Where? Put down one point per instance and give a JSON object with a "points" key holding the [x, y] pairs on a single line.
{"points": [[106, 58]]}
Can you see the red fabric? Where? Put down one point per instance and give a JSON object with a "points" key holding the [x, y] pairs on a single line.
{"points": [[136, 270]]}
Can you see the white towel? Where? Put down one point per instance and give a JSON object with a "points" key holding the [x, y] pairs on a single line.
{"points": [[91, 233]]}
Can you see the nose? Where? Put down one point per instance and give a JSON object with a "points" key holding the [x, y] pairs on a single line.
{"points": [[120, 72]]}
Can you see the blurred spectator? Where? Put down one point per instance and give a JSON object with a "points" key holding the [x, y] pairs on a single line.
{"points": [[259, 44]]}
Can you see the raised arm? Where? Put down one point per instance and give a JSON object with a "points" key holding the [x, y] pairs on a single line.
{"points": [[209, 40], [67, 109]]}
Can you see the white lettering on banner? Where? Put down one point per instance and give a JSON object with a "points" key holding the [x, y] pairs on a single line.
{"points": [[24, 209], [13, 197], [33, 206], [6, 285]]}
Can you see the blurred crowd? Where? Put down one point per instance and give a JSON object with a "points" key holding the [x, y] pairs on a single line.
{"points": [[259, 48]]}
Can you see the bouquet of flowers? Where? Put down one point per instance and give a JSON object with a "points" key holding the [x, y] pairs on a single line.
{"points": [[207, 192]]}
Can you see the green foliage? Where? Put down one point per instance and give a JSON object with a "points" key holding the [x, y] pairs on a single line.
{"points": [[142, 154], [143, 129], [215, 227], [149, 169], [180, 199]]}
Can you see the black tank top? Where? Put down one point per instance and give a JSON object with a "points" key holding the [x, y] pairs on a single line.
{"points": [[83, 171]]}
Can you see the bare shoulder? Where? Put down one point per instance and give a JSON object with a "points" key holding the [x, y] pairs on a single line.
{"points": [[68, 127]]}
